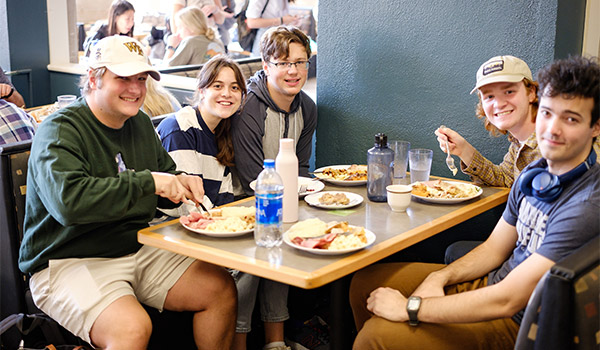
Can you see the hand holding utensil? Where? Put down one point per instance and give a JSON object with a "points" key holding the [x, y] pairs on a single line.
{"points": [[449, 159]]}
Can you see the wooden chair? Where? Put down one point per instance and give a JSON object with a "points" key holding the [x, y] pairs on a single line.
{"points": [[170, 329]]}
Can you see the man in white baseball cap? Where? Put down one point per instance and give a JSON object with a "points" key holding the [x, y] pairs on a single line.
{"points": [[97, 174], [508, 104]]}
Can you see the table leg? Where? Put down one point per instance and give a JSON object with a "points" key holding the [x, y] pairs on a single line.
{"points": [[342, 325]]}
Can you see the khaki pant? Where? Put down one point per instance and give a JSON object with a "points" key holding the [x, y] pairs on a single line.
{"points": [[378, 333]]}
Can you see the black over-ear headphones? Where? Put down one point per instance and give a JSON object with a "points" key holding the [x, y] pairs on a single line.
{"points": [[538, 182]]}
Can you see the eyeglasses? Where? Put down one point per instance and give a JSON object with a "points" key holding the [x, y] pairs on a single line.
{"points": [[287, 65]]}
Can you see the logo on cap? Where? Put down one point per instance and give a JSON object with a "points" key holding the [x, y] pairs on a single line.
{"points": [[493, 66], [133, 46]]}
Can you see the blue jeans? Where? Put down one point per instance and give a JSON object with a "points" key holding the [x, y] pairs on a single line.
{"points": [[272, 297]]}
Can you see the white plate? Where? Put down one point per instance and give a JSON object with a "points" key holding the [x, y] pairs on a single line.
{"points": [[450, 200], [370, 239], [338, 182], [313, 199], [217, 234], [312, 185]]}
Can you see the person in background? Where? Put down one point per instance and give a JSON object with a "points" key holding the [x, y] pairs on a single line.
{"points": [[159, 100], [508, 105], [224, 28], [213, 10], [477, 302], [97, 172], [276, 107], [198, 137], [194, 42], [276, 13], [120, 22], [15, 124], [8, 91]]}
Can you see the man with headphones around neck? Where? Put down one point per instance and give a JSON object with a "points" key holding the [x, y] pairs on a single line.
{"points": [[477, 302]]}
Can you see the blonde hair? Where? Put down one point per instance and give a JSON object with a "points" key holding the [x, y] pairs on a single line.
{"points": [[195, 21], [159, 100]]}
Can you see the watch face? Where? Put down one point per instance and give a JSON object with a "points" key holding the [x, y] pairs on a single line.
{"points": [[413, 303]]}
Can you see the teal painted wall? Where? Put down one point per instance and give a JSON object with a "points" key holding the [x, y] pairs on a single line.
{"points": [[405, 67], [27, 27]]}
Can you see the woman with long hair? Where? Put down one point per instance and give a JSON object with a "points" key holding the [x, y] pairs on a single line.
{"points": [[120, 22], [194, 42], [198, 137]]}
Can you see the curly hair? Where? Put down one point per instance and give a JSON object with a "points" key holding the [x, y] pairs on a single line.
{"points": [[491, 128], [275, 43], [572, 77], [207, 75]]}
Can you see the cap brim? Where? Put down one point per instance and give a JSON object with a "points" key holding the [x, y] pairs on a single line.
{"points": [[132, 68], [507, 78]]}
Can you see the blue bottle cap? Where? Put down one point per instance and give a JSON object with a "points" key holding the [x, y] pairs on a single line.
{"points": [[269, 163]]}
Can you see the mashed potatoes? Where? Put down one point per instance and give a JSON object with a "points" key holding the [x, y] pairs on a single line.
{"points": [[230, 224]]}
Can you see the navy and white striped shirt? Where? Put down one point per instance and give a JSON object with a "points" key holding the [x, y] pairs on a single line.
{"points": [[193, 147]]}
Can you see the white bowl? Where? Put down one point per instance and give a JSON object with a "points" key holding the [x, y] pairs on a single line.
{"points": [[398, 197]]}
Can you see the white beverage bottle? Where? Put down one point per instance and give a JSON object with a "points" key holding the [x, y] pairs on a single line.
{"points": [[286, 165]]}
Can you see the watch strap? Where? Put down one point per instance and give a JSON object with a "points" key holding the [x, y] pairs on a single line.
{"points": [[412, 310]]}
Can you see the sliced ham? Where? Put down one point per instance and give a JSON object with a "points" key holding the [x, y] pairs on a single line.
{"points": [[314, 243]]}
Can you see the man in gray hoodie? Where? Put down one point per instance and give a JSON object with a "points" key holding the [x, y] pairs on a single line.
{"points": [[276, 106]]}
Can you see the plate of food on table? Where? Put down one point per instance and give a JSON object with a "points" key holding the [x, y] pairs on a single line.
{"points": [[222, 222], [306, 186], [343, 175], [327, 238], [445, 192], [334, 200]]}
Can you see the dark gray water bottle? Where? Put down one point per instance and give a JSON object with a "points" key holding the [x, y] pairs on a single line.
{"points": [[380, 171]]}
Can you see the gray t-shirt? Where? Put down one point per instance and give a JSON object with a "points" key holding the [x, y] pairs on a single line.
{"points": [[552, 229]]}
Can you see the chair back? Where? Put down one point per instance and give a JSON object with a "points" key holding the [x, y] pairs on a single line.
{"points": [[13, 179], [563, 310]]}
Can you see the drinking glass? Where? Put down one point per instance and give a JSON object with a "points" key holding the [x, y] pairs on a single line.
{"points": [[400, 149], [420, 164]]}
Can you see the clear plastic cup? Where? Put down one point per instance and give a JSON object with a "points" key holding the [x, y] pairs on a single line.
{"points": [[65, 100], [420, 164]]}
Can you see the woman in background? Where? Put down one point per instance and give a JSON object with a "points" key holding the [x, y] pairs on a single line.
{"points": [[264, 14], [120, 22], [159, 100], [194, 42]]}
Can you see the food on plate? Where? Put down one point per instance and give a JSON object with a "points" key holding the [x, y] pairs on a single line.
{"points": [[228, 219], [334, 199], [41, 113], [335, 235], [443, 189], [353, 173]]}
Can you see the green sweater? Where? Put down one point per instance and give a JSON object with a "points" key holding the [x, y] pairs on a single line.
{"points": [[78, 204]]}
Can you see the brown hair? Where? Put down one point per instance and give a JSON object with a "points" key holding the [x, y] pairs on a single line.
{"points": [[493, 130], [118, 8], [207, 75], [275, 43]]}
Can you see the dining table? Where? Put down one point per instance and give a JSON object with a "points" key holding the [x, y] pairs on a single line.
{"points": [[394, 231]]}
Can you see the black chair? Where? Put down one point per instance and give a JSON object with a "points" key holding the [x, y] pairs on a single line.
{"points": [[563, 311], [170, 329]]}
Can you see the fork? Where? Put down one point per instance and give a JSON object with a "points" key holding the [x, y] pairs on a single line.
{"points": [[450, 161]]}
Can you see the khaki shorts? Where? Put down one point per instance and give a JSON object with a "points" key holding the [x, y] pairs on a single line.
{"points": [[75, 291]]}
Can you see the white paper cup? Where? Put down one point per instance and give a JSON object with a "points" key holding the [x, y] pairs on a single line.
{"points": [[398, 197], [65, 100]]}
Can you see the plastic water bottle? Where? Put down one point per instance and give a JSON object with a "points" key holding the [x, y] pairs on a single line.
{"points": [[286, 165], [379, 169], [269, 209]]}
